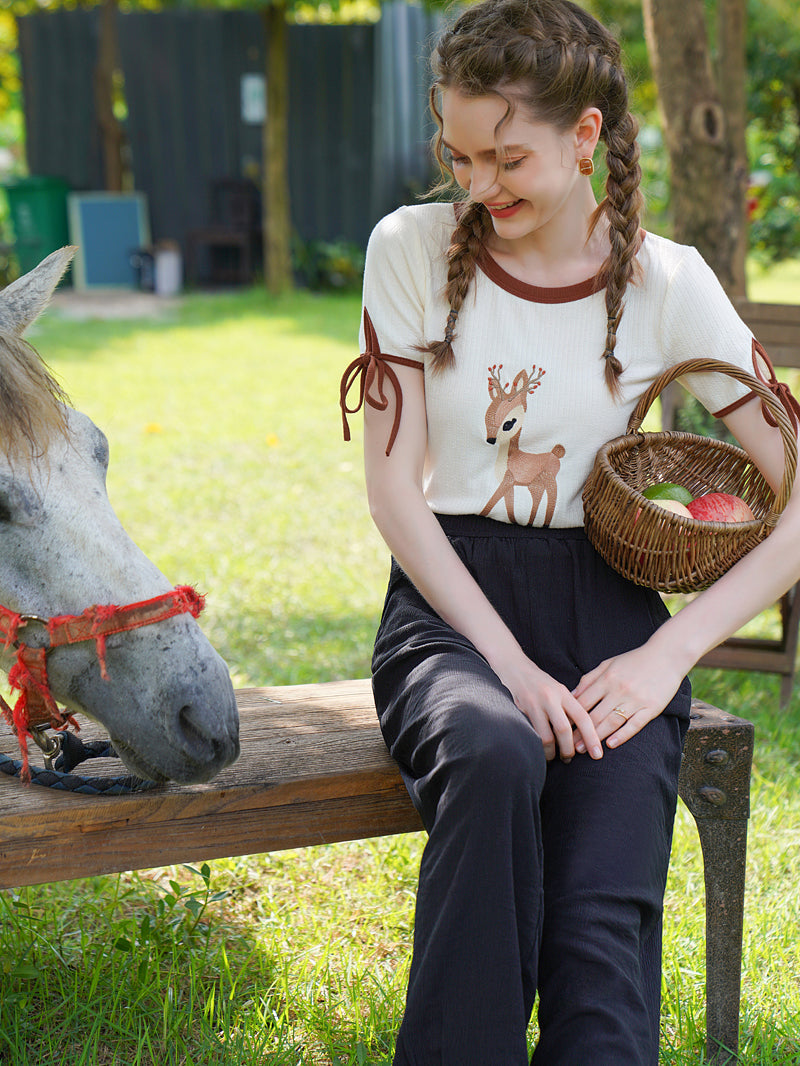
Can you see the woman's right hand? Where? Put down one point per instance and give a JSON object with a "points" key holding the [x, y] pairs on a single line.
{"points": [[555, 714]]}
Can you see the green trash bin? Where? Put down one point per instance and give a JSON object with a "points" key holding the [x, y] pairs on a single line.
{"points": [[38, 210]]}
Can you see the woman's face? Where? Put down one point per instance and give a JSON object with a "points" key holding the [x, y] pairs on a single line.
{"points": [[526, 174]]}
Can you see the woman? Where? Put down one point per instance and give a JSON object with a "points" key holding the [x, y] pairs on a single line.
{"points": [[535, 701]]}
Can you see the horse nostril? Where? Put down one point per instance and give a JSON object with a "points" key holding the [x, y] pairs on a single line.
{"points": [[198, 741]]}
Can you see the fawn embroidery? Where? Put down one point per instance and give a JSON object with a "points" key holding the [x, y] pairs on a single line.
{"points": [[504, 418]]}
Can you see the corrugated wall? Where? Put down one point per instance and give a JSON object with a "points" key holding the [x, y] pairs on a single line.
{"points": [[357, 102], [58, 52], [182, 72]]}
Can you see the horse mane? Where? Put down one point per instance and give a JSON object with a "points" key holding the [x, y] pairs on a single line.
{"points": [[32, 403]]}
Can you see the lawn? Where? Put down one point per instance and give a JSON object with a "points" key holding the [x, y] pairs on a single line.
{"points": [[228, 468]]}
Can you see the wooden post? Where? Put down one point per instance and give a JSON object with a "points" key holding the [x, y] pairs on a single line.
{"points": [[277, 253], [111, 132]]}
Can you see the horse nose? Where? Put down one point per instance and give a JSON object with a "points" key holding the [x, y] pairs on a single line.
{"points": [[208, 735]]}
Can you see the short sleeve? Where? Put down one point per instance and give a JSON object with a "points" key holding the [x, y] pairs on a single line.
{"points": [[699, 322], [391, 323], [394, 285]]}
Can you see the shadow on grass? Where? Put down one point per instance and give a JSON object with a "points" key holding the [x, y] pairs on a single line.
{"points": [[137, 970], [62, 337]]}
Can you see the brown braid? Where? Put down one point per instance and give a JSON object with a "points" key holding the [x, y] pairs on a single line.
{"points": [[553, 59], [473, 227]]}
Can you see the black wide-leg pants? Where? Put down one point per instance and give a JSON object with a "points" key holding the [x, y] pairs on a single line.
{"points": [[536, 876]]}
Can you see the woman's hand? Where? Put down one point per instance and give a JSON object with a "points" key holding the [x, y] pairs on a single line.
{"points": [[626, 692], [558, 718]]}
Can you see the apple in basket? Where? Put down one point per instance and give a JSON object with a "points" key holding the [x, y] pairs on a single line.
{"points": [[720, 507], [675, 506], [669, 496]]}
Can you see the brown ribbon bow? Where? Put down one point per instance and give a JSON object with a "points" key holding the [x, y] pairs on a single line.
{"points": [[780, 389], [371, 369]]}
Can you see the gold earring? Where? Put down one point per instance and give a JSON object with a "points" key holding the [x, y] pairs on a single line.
{"points": [[586, 167]]}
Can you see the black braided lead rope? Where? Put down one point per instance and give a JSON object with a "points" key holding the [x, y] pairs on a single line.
{"points": [[73, 752]]}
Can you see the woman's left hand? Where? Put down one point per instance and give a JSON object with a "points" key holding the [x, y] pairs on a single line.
{"points": [[626, 692]]}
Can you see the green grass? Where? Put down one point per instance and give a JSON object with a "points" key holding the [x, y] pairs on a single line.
{"points": [[229, 470], [779, 284]]}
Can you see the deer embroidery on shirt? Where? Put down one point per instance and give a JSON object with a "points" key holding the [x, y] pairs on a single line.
{"points": [[535, 472]]}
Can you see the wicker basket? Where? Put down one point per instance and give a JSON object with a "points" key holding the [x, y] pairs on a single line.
{"points": [[657, 548]]}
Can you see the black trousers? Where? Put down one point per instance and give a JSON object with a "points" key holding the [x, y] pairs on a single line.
{"points": [[536, 877]]}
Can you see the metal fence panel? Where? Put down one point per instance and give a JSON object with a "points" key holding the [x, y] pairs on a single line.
{"points": [[58, 53]]}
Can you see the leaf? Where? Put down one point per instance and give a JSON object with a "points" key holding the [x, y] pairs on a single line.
{"points": [[194, 906], [123, 944]]}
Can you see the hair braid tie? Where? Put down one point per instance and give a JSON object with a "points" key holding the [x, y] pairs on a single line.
{"points": [[450, 327]]}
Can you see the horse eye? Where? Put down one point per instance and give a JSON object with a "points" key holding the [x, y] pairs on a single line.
{"points": [[5, 508], [100, 450]]}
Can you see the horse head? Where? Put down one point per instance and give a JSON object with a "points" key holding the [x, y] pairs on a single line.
{"points": [[160, 690]]}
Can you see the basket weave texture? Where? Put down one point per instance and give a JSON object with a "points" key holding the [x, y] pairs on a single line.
{"points": [[657, 548]]}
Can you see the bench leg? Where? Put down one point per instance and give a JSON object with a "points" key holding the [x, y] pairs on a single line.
{"points": [[724, 845], [715, 786]]}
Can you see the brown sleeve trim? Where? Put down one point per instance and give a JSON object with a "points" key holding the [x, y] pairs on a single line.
{"points": [[370, 369], [764, 371], [748, 396]]}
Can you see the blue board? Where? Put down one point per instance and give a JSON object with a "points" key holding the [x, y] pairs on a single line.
{"points": [[108, 228]]}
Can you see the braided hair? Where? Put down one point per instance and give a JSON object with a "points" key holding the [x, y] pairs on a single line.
{"points": [[555, 60]]}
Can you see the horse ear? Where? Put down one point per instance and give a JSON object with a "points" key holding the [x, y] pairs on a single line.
{"points": [[26, 298]]}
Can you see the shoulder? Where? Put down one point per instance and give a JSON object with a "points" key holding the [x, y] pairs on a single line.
{"points": [[417, 229], [663, 259]]}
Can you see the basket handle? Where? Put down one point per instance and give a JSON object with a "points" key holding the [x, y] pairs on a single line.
{"points": [[708, 366]]}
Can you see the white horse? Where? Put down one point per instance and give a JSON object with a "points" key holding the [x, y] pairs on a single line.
{"points": [[160, 690]]}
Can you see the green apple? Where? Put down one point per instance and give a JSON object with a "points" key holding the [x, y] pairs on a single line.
{"points": [[668, 490]]}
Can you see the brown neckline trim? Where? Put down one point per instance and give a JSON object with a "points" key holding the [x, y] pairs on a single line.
{"points": [[537, 293]]}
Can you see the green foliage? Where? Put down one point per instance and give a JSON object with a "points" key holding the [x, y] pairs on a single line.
{"points": [[325, 265], [773, 59]]}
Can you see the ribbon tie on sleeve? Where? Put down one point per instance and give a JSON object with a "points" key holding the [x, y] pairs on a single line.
{"points": [[370, 370], [780, 389]]}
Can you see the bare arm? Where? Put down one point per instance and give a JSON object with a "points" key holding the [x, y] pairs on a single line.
{"points": [[644, 680], [417, 541]]}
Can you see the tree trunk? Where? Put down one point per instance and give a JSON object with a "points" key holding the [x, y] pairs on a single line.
{"points": [[111, 131], [732, 16], [277, 225], [706, 170]]}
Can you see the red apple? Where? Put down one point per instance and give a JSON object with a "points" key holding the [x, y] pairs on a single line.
{"points": [[720, 507]]}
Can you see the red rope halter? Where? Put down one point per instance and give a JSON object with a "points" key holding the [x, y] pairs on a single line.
{"points": [[35, 704]]}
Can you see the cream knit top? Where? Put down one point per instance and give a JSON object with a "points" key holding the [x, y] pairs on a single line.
{"points": [[514, 427]]}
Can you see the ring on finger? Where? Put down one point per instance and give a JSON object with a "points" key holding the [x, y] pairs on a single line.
{"points": [[622, 714]]}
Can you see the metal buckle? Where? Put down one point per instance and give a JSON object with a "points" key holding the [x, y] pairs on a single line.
{"points": [[50, 746]]}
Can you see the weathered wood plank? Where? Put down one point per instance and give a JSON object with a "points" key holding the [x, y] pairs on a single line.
{"points": [[313, 770], [777, 327]]}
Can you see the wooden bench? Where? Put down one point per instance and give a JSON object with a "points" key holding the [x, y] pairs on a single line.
{"points": [[314, 770], [777, 327]]}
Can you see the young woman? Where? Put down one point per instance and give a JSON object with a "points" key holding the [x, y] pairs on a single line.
{"points": [[536, 702]]}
